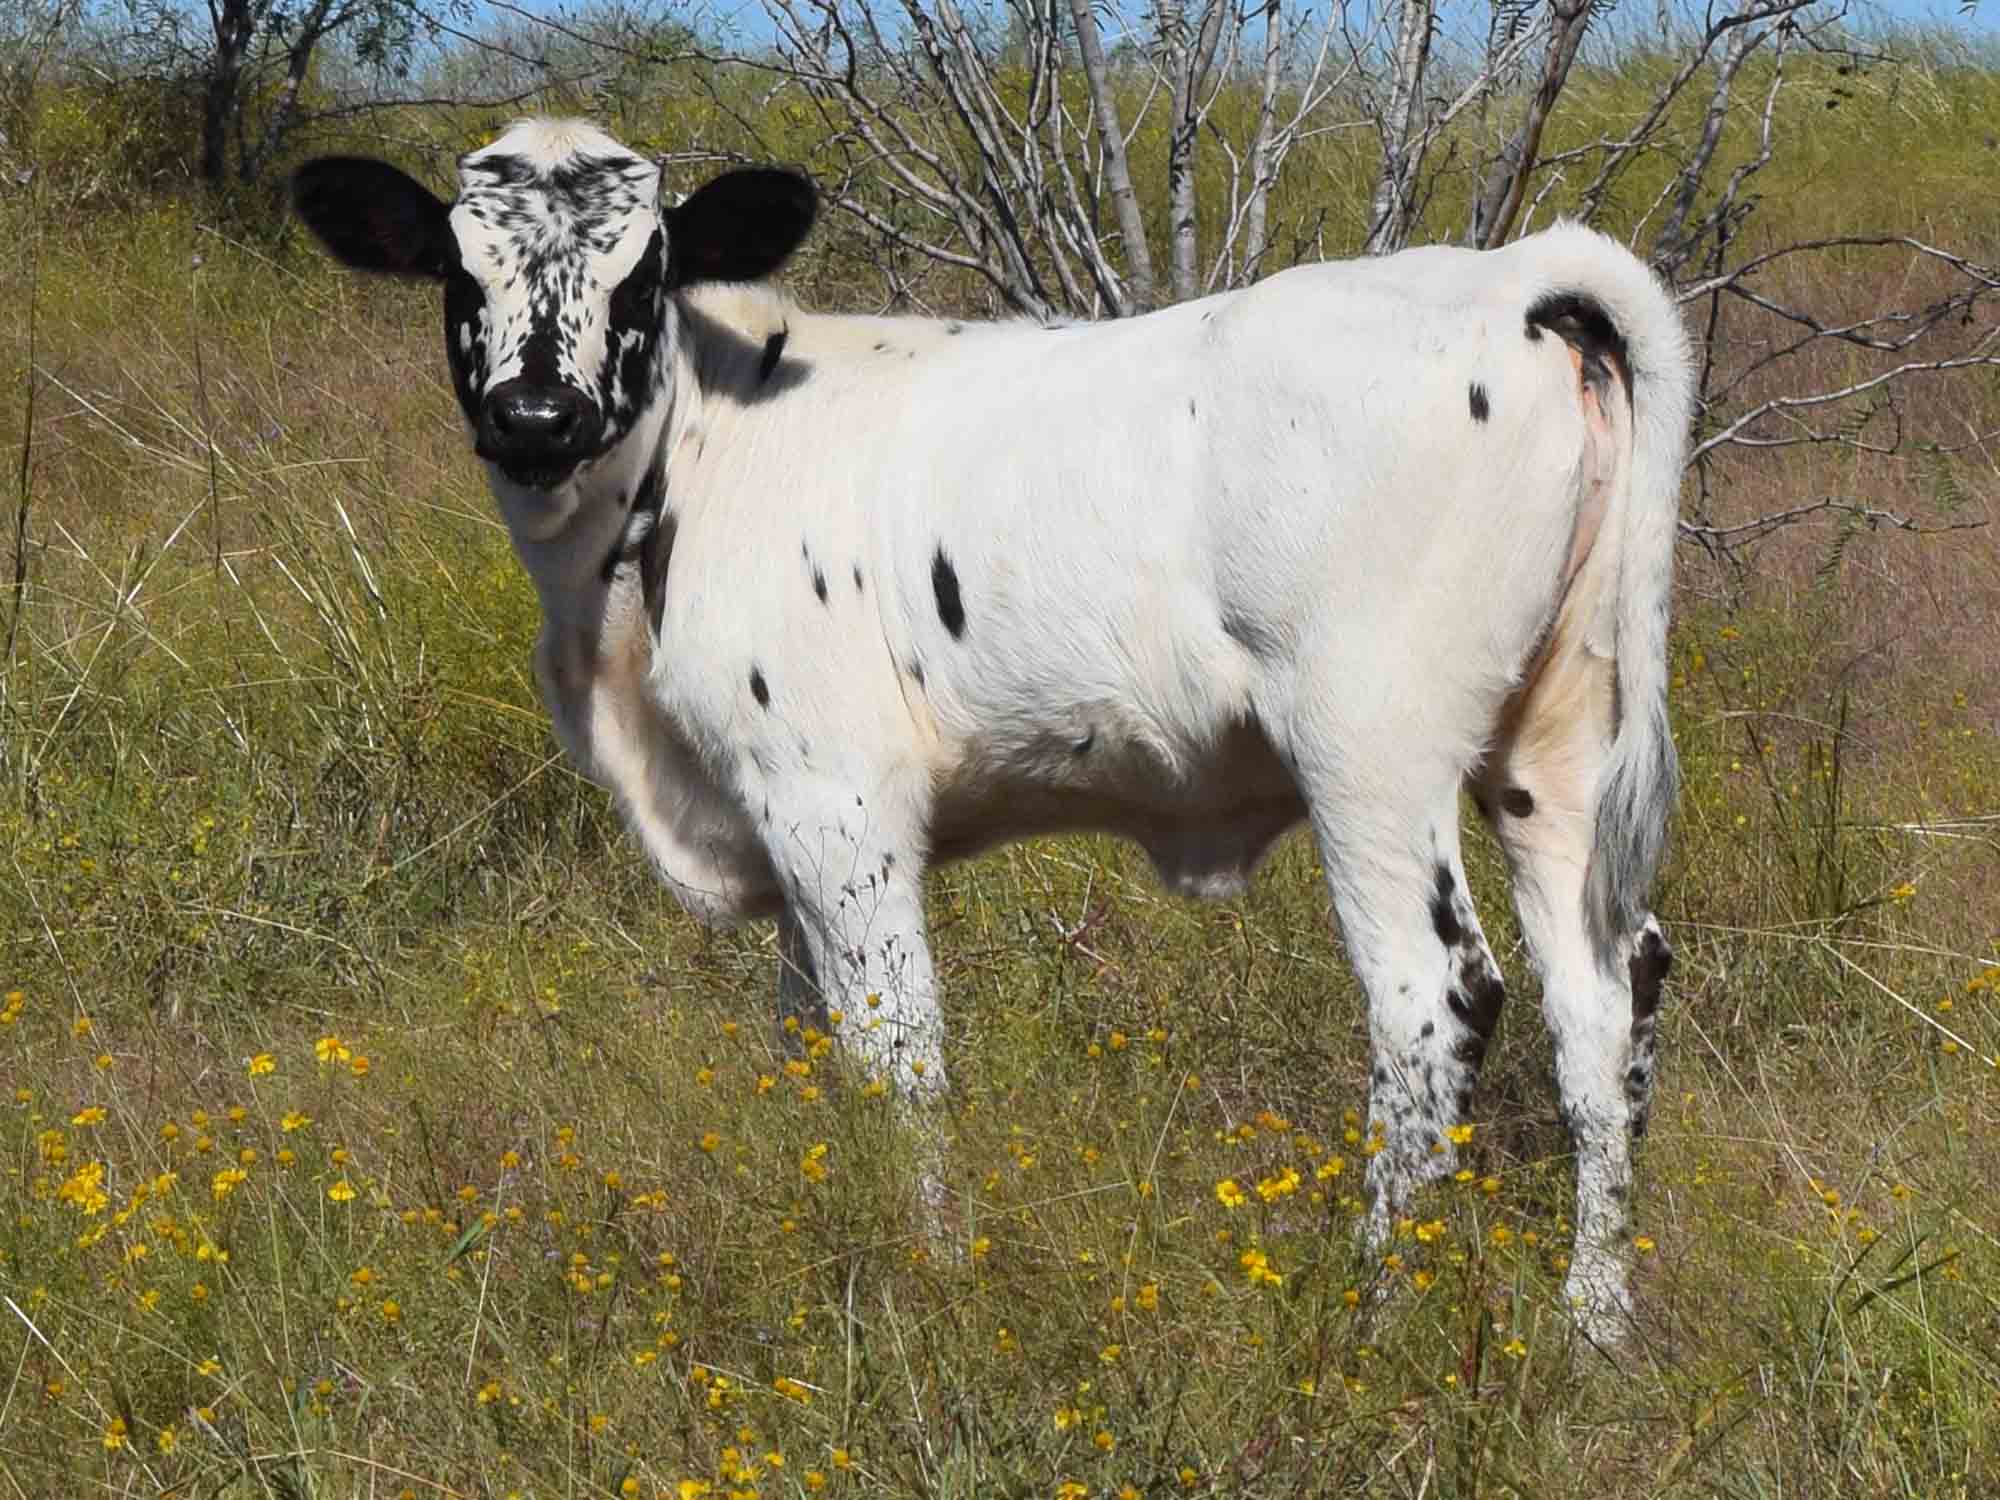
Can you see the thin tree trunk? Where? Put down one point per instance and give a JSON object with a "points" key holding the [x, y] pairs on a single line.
{"points": [[1262, 169], [222, 93], [1499, 200], [1117, 171], [1191, 57], [1394, 203]]}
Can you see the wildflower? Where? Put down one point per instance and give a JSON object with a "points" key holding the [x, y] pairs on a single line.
{"points": [[1271, 1189], [489, 1393], [1329, 1169], [293, 1120], [1228, 1194], [1108, 1355], [331, 1049], [1257, 1266], [710, 1140], [792, 1390], [225, 1182], [341, 1192], [1070, 1489], [94, 1115], [114, 1435], [1148, 1298], [166, 1441], [391, 1310], [261, 1064], [980, 1247], [1514, 1348], [1458, 1135], [84, 1189], [1643, 1244], [812, 1166], [694, 1489], [1105, 1441]]}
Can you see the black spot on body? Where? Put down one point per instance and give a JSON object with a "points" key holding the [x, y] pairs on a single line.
{"points": [[1444, 921], [857, 578], [944, 584], [1082, 746], [1476, 1000], [1190, 406], [819, 585], [1582, 323], [1649, 966], [774, 350], [916, 670], [1517, 802], [1429, 1029], [759, 689], [1476, 399], [654, 556]]}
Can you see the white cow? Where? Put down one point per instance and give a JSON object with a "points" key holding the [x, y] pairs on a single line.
{"points": [[827, 599]]}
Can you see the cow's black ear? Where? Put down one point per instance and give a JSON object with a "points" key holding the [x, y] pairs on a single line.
{"points": [[373, 217], [740, 227]]}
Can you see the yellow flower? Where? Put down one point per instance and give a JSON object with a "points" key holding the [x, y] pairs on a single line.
{"points": [[1515, 1349], [812, 1166], [225, 1182], [84, 1190], [1069, 1489], [1271, 1189], [114, 1435], [261, 1064], [694, 1489], [1459, 1135], [1228, 1194], [1148, 1297], [341, 1192], [710, 1140], [1643, 1244], [331, 1049], [489, 1393], [1106, 1442], [94, 1115], [294, 1121], [1257, 1266], [166, 1441]]}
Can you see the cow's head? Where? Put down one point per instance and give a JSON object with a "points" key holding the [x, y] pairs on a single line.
{"points": [[557, 261]]}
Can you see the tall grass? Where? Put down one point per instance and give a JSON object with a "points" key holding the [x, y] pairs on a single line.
{"points": [[374, 1127]]}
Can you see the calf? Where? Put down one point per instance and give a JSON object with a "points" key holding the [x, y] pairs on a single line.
{"points": [[828, 599]]}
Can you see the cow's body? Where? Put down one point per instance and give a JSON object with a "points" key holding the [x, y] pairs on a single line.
{"points": [[845, 596]]}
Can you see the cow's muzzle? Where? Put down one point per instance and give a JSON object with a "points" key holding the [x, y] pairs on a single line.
{"points": [[537, 434]]}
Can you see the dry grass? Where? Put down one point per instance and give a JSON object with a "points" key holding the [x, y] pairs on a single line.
{"points": [[531, 1196]]}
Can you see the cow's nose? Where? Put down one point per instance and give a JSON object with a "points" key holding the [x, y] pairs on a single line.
{"points": [[537, 430]]}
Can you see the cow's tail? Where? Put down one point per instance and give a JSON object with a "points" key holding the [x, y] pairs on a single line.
{"points": [[1640, 778]]}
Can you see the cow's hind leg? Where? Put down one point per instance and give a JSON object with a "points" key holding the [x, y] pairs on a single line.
{"points": [[1391, 849], [1600, 994]]}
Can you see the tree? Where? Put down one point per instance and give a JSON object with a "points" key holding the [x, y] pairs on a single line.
{"points": [[251, 60]]}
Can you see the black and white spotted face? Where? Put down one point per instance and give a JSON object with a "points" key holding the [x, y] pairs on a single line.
{"points": [[558, 262], [554, 313]]}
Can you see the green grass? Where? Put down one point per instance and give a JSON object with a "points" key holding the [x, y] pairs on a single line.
{"points": [[293, 884]]}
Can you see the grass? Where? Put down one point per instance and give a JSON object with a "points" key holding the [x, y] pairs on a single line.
{"points": [[372, 1125]]}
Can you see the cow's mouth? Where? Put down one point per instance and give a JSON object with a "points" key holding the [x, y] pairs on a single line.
{"points": [[538, 476]]}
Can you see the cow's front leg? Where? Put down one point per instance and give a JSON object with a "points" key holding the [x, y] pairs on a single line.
{"points": [[852, 944]]}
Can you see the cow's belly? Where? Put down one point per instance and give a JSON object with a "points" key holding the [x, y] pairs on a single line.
{"points": [[1205, 825]]}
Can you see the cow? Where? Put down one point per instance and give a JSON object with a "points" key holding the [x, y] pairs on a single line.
{"points": [[829, 599]]}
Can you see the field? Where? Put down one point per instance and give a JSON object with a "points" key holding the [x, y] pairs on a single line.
{"points": [[374, 1127]]}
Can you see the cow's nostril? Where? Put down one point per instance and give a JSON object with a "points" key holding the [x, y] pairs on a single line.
{"points": [[537, 427]]}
